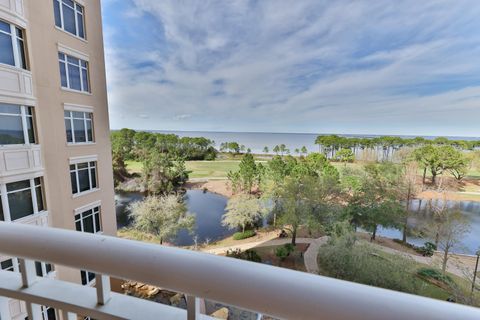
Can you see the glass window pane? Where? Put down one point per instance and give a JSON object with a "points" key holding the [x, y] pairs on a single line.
{"points": [[86, 86], [11, 130], [7, 265], [78, 115], [20, 204], [84, 277], [73, 179], [73, 60], [84, 180], [48, 267], [98, 226], [9, 108], [88, 224], [74, 77], [61, 56], [63, 75], [89, 131], [68, 128], [78, 225], [69, 2], [38, 269], [81, 32], [2, 217], [79, 126], [31, 130], [4, 26], [18, 185], [6, 49], [69, 19], [39, 194], [21, 54], [56, 11], [93, 173]]}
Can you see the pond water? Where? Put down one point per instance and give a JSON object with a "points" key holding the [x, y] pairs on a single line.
{"points": [[471, 210], [208, 208]]}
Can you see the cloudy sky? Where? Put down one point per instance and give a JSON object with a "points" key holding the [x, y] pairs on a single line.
{"points": [[377, 67]]}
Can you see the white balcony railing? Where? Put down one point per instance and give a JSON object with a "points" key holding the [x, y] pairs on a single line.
{"points": [[268, 290], [20, 159]]}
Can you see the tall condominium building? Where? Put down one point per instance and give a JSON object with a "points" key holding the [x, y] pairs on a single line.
{"points": [[55, 158]]}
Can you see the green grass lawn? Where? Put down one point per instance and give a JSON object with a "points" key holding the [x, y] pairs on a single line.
{"points": [[199, 169]]}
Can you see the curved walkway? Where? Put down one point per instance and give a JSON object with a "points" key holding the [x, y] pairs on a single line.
{"points": [[310, 256]]}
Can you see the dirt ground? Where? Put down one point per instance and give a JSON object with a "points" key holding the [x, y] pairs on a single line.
{"points": [[216, 186]]}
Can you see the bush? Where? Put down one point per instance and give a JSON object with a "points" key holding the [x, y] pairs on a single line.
{"points": [[428, 249], [435, 274], [364, 264], [249, 255], [244, 235], [282, 253]]}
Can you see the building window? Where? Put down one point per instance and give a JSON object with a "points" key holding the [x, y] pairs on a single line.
{"points": [[12, 45], [25, 198], [79, 127], [89, 221], [87, 277], [48, 313], [43, 269], [16, 124], [69, 16], [8, 265], [83, 176], [73, 73]]}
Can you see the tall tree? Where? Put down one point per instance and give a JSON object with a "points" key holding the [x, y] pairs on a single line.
{"points": [[448, 227], [161, 216], [163, 173], [242, 211]]}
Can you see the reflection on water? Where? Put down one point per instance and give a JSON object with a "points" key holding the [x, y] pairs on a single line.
{"points": [[208, 208], [470, 209]]}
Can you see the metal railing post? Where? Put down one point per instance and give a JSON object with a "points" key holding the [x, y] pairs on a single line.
{"points": [[4, 309], [29, 277], [103, 288], [193, 308]]}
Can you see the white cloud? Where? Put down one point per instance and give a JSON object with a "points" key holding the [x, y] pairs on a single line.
{"points": [[312, 66]]}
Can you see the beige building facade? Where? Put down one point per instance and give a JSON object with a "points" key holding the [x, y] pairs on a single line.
{"points": [[55, 155]]}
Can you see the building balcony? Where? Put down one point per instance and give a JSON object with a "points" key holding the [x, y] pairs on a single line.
{"points": [[18, 160], [266, 290], [16, 85], [13, 11]]}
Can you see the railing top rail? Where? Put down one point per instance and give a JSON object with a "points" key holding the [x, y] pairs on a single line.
{"points": [[277, 292]]}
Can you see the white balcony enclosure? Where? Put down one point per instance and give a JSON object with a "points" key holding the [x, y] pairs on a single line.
{"points": [[13, 11], [20, 160], [267, 290], [16, 85]]}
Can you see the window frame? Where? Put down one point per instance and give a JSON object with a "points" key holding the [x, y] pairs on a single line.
{"points": [[33, 185], [14, 38], [76, 12], [77, 180], [82, 71], [24, 117], [85, 119], [93, 212]]}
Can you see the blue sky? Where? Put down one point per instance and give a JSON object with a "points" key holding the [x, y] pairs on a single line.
{"points": [[366, 67]]}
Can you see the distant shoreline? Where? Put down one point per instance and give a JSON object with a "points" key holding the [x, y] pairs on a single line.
{"points": [[450, 137]]}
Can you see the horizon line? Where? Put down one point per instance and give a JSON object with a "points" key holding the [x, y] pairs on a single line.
{"points": [[307, 133]]}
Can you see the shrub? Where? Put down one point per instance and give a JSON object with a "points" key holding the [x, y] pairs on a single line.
{"points": [[289, 247], [282, 252], [364, 264], [244, 235], [435, 274], [249, 255]]}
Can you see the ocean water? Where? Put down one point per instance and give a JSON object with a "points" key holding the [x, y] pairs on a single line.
{"points": [[256, 141]]}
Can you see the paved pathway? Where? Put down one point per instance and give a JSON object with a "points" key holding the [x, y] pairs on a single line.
{"points": [[310, 256]]}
